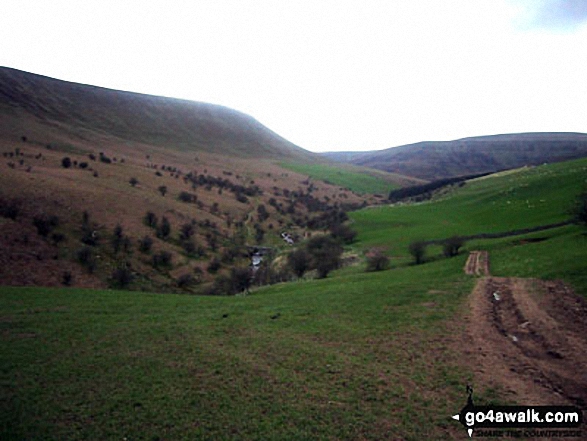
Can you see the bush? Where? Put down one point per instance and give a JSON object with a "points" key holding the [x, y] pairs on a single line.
{"points": [[184, 196], [299, 261], [452, 245], [162, 189], [9, 208], [185, 280], [164, 229], [45, 224], [66, 162], [133, 181], [377, 260], [213, 266], [343, 233], [579, 211], [85, 256], [117, 238], [186, 231], [66, 278], [121, 277], [418, 251], [145, 244], [163, 259], [325, 253], [150, 219]]}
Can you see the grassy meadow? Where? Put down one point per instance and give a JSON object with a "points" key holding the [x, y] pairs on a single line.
{"points": [[350, 177], [355, 356]]}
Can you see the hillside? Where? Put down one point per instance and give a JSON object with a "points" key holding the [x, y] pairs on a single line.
{"points": [[358, 355], [93, 112], [95, 161], [444, 159]]}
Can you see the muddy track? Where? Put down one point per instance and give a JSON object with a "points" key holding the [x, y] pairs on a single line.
{"points": [[528, 337]]}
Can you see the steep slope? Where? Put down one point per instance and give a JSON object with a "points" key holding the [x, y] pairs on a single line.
{"points": [[165, 122], [437, 160]]}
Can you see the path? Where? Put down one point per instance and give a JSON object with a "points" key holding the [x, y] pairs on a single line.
{"points": [[527, 337]]}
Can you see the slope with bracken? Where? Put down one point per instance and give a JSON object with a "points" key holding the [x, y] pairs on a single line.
{"points": [[212, 172]]}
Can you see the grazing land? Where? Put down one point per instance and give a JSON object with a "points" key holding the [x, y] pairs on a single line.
{"points": [[358, 179], [358, 355]]}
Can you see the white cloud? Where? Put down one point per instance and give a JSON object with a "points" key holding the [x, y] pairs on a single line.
{"points": [[325, 74]]}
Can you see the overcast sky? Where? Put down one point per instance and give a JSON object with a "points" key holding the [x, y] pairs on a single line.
{"points": [[326, 75]]}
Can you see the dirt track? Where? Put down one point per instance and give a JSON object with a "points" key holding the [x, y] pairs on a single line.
{"points": [[528, 337]]}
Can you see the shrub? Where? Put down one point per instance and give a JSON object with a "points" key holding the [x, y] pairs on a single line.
{"points": [[150, 219], [133, 181], [66, 162], [85, 256], [121, 277], [66, 278], [164, 229], [579, 210], [83, 165], [344, 233], [185, 280], [184, 196], [452, 245], [117, 237], [162, 259], [418, 251], [213, 266], [162, 189], [240, 279], [186, 231], [325, 253], [45, 224], [377, 260], [9, 208], [145, 244], [299, 261], [57, 238]]}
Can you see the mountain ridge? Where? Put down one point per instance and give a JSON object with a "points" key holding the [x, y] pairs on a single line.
{"points": [[434, 160]]}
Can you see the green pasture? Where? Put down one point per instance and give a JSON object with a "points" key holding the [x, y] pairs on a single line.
{"points": [[361, 182], [355, 356]]}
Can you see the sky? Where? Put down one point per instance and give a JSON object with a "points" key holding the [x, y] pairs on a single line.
{"points": [[326, 75]]}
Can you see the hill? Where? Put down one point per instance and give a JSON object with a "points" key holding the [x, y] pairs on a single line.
{"points": [[359, 355], [95, 161], [91, 112], [435, 160]]}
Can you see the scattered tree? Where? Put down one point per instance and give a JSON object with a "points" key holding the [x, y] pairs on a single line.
{"points": [[164, 229], [150, 219], [344, 233], [163, 190], [162, 259], [377, 260], [418, 251], [299, 261], [452, 245], [66, 162], [325, 253], [121, 277], [45, 224], [145, 245], [579, 210]]}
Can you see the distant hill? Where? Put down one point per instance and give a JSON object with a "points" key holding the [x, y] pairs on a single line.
{"points": [[164, 122], [445, 159]]}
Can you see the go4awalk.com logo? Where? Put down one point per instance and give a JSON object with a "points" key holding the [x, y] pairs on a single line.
{"points": [[536, 421]]}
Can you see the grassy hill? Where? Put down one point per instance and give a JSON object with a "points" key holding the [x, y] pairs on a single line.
{"points": [[361, 180], [196, 164], [355, 356], [35, 103], [468, 156]]}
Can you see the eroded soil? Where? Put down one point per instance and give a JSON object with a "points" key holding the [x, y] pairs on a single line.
{"points": [[527, 337]]}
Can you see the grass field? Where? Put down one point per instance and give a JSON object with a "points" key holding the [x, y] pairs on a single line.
{"points": [[354, 356], [527, 198], [367, 361], [349, 177]]}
